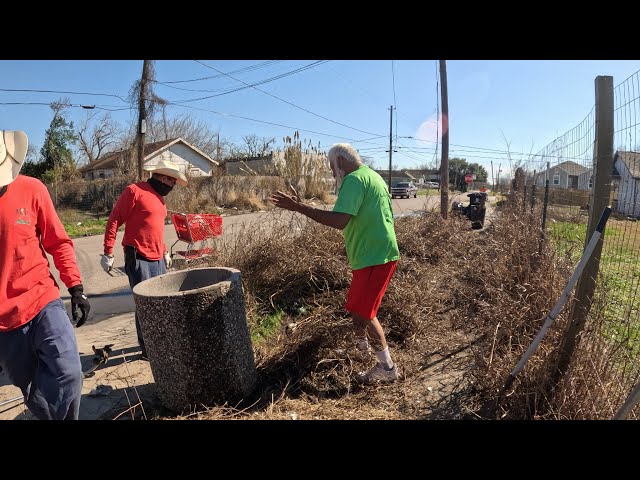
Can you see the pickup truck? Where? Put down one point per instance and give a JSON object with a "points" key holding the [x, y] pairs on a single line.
{"points": [[404, 189]]}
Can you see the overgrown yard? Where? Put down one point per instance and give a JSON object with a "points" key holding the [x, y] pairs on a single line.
{"points": [[460, 311]]}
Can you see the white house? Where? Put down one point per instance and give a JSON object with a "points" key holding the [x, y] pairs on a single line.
{"points": [[191, 161], [567, 174], [627, 165]]}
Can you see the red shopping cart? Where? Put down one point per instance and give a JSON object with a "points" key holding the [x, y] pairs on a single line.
{"points": [[198, 231]]}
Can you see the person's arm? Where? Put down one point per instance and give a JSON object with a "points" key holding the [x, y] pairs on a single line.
{"points": [[118, 216], [325, 217], [55, 240]]}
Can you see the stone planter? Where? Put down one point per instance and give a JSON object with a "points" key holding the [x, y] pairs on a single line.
{"points": [[196, 335]]}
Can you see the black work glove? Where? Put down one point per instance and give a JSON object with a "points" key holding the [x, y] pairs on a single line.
{"points": [[79, 300]]}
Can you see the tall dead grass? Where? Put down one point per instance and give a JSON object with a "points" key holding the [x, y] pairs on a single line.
{"points": [[485, 292]]}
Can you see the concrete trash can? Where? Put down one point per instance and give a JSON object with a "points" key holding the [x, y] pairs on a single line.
{"points": [[195, 330]]}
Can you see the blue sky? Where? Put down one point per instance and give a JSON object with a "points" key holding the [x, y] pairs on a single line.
{"points": [[527, 103]]}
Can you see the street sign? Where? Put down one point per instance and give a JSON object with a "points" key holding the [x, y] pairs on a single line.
{"points": [[468, 178]]}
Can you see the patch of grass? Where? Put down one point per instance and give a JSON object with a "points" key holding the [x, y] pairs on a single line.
{"points": [[89, 227], [266, 326], [78, 223], [568, 238]]}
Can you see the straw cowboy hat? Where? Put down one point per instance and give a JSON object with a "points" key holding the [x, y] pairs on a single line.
{"points": [[13, 150], [170, 169]]}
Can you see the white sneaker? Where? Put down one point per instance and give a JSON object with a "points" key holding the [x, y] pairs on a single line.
{"points": [[378, 374]]}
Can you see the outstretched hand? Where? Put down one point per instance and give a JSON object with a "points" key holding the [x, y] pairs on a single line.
{"points": [[288, 202]]}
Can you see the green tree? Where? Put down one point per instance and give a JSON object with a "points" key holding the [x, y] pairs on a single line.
{"points": [[57, 161], [479, 171], [459, 167]]}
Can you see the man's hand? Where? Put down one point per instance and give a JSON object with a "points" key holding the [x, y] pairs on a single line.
{"points": [[296, 197], [79, 300], [167, 260], [282, 200], [107, 262]]}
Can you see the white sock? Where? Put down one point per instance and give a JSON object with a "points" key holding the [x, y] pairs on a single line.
{"points": [[385, 358]]}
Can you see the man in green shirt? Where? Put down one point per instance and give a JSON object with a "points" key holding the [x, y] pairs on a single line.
{"points": [[363, 212]]}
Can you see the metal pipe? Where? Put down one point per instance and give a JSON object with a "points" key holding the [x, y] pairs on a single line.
{"points": [[11, 400]]}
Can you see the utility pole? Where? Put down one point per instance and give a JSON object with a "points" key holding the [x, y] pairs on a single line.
{"points": [[218, 148], [499, 170], [142, 121], [493, 179], [390, 143], [444, 164]]}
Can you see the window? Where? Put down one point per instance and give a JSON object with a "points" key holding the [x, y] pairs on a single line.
{"points": [[590, 182], [556, 179]]}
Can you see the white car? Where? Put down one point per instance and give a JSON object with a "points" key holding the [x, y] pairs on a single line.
{"points": [[404, 189], [432, 185]]}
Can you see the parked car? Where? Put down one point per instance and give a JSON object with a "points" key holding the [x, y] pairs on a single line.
{"points": [[404, 189], [431, 185]]}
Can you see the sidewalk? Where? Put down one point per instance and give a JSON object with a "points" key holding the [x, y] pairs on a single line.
{"points": [[129, 377]]}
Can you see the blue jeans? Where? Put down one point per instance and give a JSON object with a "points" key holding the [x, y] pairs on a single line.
{"points": [[41, 358], [139, 269]]}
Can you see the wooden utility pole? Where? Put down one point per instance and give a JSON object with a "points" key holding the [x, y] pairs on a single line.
{"points": [[600, 198], [444, 164], [493, 179], [218, 148], [390, 143], [142, 120]]}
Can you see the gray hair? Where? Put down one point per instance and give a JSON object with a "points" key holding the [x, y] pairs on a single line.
{"points": [[346, 151]]}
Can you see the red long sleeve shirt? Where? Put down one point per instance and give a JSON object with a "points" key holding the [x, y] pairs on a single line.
{"points": [[29, 227], [143, 211]]}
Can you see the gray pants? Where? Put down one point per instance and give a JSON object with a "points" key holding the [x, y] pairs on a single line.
{"points": [[41, 358]]}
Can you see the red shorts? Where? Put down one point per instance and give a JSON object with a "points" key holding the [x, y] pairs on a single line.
{"points": [[367, 289]]}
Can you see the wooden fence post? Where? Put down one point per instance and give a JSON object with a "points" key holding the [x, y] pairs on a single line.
{"points": [[602, 168]]}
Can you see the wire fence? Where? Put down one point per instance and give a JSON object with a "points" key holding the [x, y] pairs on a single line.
{"points": [[557, 188]]}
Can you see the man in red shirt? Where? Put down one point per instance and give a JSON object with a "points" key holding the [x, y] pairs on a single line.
{"points": [[141, 207], [38, 348]]}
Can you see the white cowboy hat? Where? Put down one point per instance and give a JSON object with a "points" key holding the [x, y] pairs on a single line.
{"points": [[170, 169], [13, 150]]}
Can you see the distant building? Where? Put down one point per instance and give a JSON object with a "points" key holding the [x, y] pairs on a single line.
{"points": [[191, 161], [567, 174], [627, 165]]}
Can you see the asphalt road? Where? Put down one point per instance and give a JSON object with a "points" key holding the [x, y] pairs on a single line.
{"points": [[109, 293]]}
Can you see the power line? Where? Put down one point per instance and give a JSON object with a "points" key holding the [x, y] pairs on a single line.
{"points": [[269, 123], [278, 77], [239, 70], [60, 91], [86, 107], [290, 103]]}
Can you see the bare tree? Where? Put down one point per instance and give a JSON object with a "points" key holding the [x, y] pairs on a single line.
{"points": [[256, 147], [368, 161], [192, 130], [94, 141]]}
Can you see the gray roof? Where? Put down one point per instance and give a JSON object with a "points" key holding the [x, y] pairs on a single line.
{"points": [[631, 160], [572, 168]]}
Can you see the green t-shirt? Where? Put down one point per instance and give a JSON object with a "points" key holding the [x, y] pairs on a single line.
{"points": [[369, 237]]}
